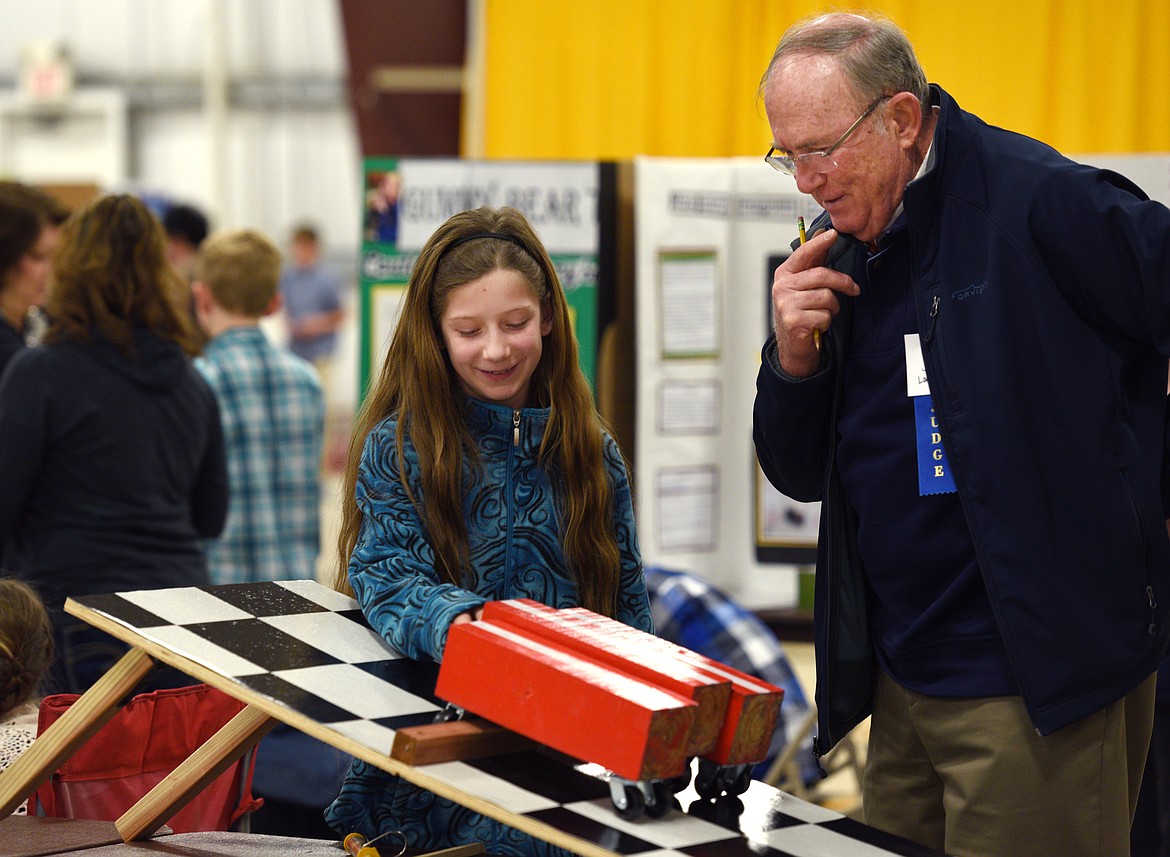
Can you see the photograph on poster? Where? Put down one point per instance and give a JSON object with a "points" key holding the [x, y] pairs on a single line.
{"points": [[689, 301], [383, 188], [689, 407], [786, 529], [687, 506]]}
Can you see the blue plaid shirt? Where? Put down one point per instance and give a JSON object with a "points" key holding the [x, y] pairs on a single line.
{"points": [[273, 413], [690, 612]]}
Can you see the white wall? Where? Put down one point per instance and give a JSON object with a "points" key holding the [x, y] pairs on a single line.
{"points": [[281, 150], [287, 153]]}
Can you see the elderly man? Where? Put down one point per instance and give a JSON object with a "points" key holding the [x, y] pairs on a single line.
{"points": [[968, 367]]}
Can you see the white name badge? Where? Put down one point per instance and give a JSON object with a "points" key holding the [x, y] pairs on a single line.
{"points": [[934, 471], [916, 383]]}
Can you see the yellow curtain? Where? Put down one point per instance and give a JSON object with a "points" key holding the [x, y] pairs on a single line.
{"points": [[611, 79]]}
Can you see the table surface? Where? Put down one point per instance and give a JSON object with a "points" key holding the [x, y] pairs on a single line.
{"points": [[22, 836]]}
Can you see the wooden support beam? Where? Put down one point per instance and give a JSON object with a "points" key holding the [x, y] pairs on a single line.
{"points": [[223, 749]]}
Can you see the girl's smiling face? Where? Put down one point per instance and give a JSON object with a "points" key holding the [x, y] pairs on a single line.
{"points": [[493, 328]]}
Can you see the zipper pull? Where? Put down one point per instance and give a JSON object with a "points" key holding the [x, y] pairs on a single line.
{"points": [[1153, 629], [934, 302], [817, 753], [515, 428]]}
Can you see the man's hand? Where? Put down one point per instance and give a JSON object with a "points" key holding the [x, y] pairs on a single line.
{"points": [[804, 300]]}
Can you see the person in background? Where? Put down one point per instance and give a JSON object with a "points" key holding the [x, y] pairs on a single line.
{"points": [[311, 291], [479, 470], [186, 227], [273, 415], [110, 440], [26, 652], [968, 368], [30, 222]]}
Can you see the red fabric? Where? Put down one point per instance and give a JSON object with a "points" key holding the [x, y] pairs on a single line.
{"points": [[146, 740]]}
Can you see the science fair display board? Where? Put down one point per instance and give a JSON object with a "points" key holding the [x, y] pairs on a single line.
{"points": [[709, 234], [406, 199]]}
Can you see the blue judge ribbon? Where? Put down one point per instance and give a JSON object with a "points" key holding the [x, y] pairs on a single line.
{"points": [[934, 471]]}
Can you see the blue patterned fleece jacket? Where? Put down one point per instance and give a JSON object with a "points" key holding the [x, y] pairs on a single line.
{"points": [[513, 530]]}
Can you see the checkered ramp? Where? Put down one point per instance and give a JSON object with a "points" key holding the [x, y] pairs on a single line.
{"points": [[309, 649]]}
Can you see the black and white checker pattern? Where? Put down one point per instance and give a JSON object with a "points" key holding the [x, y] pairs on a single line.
{"points": [[309, 649]]}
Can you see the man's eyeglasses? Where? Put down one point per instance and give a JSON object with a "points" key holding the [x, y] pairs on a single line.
{"points": [[818, 162]]}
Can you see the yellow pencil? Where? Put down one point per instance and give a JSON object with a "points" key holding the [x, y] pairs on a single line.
{"points": [[803, 238]]}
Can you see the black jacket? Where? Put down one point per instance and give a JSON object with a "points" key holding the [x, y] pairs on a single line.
{"points": [[112, 468]]}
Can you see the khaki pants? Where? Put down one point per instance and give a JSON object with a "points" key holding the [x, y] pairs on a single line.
{"points": [[971, 777]]}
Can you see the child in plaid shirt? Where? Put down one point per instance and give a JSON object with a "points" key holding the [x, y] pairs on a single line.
{"points": [[273, 414]]}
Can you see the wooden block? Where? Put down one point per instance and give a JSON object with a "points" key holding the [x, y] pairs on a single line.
{"points": [[572, 704], [455, 740], [752, 713], [636, 653]]}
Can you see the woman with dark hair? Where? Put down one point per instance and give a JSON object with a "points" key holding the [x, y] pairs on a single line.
{"points": [[110, 440], [29, 227], [479, 470]]}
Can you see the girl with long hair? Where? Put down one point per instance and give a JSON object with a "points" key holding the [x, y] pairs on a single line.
{"points": [[479, 469]]}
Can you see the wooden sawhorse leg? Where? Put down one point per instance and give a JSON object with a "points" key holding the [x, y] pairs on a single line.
{"points": [[232, 741], [93, 710]]}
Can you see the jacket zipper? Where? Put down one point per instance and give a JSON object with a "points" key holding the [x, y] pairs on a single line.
{"points": [[1153, 629], [509, 499], [934, 301]]}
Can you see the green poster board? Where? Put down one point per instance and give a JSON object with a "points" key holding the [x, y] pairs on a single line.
{"points": [[405, 199]]}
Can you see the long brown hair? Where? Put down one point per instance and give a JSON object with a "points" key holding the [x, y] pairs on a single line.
{"points": [[111, 274], [416, 367]]}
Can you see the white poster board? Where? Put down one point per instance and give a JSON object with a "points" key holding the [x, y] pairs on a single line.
{"points": [[706, 230]]}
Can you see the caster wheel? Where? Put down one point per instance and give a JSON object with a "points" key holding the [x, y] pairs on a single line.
{"points": [[739, 784], [663, 799], [635, 804], [708, 782]]}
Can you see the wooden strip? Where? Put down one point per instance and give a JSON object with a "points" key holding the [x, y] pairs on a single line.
{"points": [[635, 652], [456, 851], [85, 717], [570, 703], [417, 78], [454, 741], [217, 754]]}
